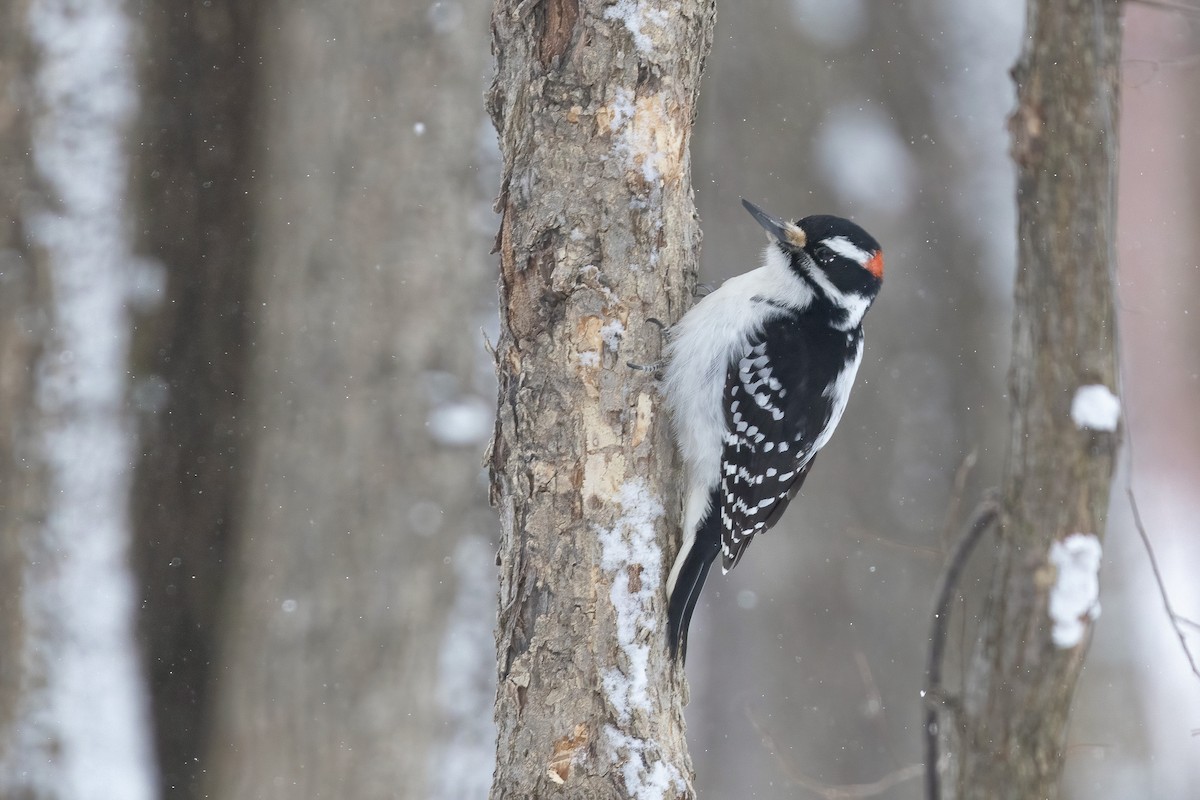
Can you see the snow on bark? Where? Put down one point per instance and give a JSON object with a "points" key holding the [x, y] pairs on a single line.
{"points": [[631, 554], [646, 777], [81, 721], [644, 21]]}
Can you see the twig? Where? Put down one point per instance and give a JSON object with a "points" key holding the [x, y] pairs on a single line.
{"points": [[849, 791], [913, 549], [1162, 587], [965, 467], [935, 696]]}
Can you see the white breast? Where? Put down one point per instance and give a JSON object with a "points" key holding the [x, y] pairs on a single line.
{"points": [[714, 333]]}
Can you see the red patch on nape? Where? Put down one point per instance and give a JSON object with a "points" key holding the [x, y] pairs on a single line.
{"points": [[874, 265]]}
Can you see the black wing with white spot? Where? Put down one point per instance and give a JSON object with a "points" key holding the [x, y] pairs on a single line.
{"points": [[782, 399]]}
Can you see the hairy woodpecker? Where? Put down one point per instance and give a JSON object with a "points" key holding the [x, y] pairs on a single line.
{"points": [[758, 374]]}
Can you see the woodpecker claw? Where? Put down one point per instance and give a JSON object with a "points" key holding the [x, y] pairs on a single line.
{"points": [[703, 290], [656, 366]]}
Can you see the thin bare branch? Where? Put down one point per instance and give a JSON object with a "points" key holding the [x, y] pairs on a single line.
{"points": [[954, 507], [918, 550], [935, 694], [847, 791], [1162, 587]]}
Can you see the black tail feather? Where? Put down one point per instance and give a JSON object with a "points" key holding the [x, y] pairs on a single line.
{"points": [[705, 550]]}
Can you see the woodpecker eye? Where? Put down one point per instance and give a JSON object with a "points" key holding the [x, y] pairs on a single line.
{"points": [[822, 253]]}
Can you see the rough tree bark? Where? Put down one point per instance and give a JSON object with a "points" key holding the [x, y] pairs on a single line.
{"points": [[1012, 725], [594, 104], [367, 284]]}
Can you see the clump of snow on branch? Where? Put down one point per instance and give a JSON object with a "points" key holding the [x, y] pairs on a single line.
{"points": [[639, 18], [81, 721], [629, 549], [646, 777], [1095, 408], [1075, 597]]}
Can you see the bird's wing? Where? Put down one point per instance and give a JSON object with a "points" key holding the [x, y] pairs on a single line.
{"points": [[776, 409]]}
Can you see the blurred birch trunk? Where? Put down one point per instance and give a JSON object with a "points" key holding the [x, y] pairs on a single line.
{"points": [[1011, 729], [594, 104], [73, 720]]}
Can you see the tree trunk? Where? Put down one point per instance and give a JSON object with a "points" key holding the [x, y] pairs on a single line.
{"points": [[365, 421], [594, 104], [1012, 727]]}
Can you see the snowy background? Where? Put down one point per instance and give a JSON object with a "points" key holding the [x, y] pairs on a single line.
{"points": [[285, 220]]}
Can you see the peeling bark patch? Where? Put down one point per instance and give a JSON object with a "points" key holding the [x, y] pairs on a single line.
{"points": [[642, 419], [568, 751], [1075, 596], [651, 146], [646, 776], [588, 340], [647, 136], [558, 28], [631, 555], [600, 475], [523, 289]]}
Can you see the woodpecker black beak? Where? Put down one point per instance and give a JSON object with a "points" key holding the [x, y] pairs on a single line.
{"points": [[786, 232]]}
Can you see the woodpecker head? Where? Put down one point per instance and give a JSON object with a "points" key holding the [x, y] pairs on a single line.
{"points": [[840, 260]]}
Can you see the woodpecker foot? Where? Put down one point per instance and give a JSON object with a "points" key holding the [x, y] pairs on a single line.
{"points": [[655, 367]]}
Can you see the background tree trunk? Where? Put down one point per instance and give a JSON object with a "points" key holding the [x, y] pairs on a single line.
{"points": [[1012, 729], [594, 104], [364, 529], [197, 202]]}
